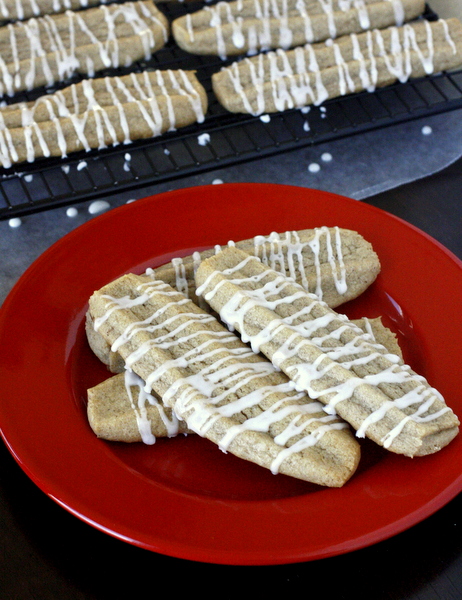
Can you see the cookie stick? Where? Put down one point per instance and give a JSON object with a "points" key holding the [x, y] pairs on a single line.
{"points": [[311, 74], [335, 263], [42, 51], [119, 409], [218, 386], [99, 127], [325, 355], [248, 26], [18, 10], [79, 97]]}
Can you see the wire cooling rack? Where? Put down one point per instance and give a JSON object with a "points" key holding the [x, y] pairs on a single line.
{"points": [[50, 183]]}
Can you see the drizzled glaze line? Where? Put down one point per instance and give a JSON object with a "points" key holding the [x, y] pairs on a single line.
{"points": [[216, 376], [132, 381], [298, 338], [280, 80]]}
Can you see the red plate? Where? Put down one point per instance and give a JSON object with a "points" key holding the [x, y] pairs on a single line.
{"points": [[183, 497]]}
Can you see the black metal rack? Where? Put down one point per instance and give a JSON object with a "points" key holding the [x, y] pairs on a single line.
{"points": [[50, 183]]}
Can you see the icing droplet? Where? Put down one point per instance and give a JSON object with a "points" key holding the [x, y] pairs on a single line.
{"points": [[217, 181], [426, 130], [16, 222], [326, 156], [29, 178], [314, 168], [265, 118], [98, 206], [203, 139], [72, 212], [82, 164]]}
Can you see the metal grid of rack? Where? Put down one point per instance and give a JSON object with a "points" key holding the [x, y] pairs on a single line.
{"points": [[50, 183]]}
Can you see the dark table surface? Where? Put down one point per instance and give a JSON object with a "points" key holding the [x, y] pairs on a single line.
{"points": [[47, 553]]}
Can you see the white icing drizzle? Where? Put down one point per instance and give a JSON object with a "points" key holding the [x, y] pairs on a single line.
{"points": [[214, 380], [298, 83], [181, 283], [140, 409], [264, 290], [142, 93]]}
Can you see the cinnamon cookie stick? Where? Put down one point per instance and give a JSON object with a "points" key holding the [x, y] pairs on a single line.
{"points": [[218, 386], [249, 26], [327, 356], [98, 113], [19, 10], [311, 74], [42, 51]]}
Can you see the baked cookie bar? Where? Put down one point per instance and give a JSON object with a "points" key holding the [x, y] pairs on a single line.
{"points": [[120, 410], [334, 263], [311, 74], [220, 388], [42, 51], [326, 356], [249, 26], [98, 113], [19, 10]]}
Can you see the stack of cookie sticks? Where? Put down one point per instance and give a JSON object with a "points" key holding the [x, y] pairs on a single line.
{"points": [[326, 355], [311, 74], [50, 49], [218, 386], [99, 113], [181, 371], [250, 26]]}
